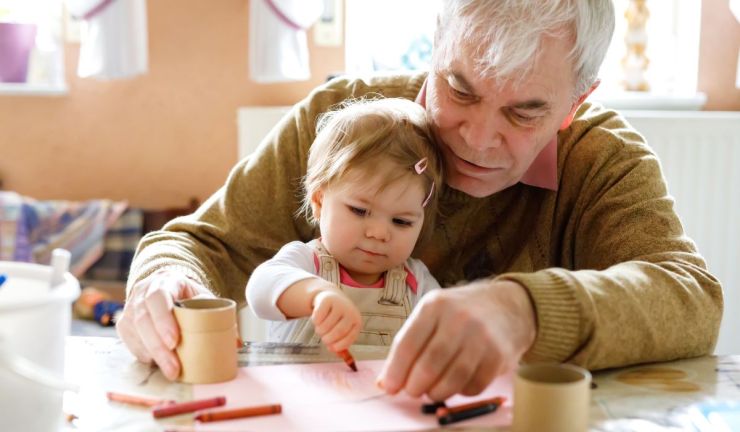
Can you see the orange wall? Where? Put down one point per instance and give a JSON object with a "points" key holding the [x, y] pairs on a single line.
{"points": [[159, 139], [718, 56], [154, 140]]}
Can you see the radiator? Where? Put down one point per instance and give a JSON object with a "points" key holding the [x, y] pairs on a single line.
{"points": [[700, 156]]}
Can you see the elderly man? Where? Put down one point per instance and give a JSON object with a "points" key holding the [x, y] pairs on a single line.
{"points": [[555, 212]]}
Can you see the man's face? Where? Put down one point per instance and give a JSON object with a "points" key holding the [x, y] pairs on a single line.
{"points": [[491, 131]]}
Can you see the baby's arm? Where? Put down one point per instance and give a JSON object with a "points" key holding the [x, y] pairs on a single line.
{"points": [[424, 279], [286, 286], [292, 263]]}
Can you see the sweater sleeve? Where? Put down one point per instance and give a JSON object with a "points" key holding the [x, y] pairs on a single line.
{"points": [[293, 263], [242, 224], [632, 287]]}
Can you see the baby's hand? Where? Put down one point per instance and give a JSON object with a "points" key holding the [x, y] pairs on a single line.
{"points": [[336, 319]]}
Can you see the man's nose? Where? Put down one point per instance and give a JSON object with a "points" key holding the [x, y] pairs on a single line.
{"points": [[377, 229], [480, 133]]}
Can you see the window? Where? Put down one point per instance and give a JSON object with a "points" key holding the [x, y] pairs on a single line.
{"points": [[672, 49], [31, 47], [380, 40], [389, 35]]}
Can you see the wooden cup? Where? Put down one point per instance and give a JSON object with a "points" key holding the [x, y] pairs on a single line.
{"points": [[551, 398], [207, 333]]}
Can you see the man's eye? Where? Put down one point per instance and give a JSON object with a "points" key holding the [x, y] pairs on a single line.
{"points": [[458, 94], [357, 210], [402, 222], [521, 118]]}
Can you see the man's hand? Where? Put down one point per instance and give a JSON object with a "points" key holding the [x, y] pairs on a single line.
{"points": [[459, 339], [147, 325], [336, 319]]}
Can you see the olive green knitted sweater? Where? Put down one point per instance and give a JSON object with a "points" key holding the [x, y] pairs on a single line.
{"points": [[613, 278]]}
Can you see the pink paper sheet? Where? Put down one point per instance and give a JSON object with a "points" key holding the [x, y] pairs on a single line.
{"points": [[330, 397]]}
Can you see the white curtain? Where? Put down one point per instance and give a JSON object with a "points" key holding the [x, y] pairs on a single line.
{"points": [[278, 50], [115, 43]]}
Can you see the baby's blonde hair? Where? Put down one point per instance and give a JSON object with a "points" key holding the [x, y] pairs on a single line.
{"points": [[366, 133]]}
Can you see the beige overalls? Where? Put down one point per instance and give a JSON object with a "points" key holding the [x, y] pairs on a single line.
{"points": [[383, 310]]}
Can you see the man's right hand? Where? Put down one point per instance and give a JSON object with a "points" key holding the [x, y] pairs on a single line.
{"points": [[147, 325]]}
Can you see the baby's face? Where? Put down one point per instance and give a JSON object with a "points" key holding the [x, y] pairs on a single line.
{"points": [[369, 230]]}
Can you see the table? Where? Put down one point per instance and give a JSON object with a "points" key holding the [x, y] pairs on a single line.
{"points": [[654, 397]]}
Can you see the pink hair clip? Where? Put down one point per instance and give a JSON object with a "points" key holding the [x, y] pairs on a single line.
{"points": [[426, 200], [421, 165]]}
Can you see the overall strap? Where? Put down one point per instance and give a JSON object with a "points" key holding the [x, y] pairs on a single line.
{"points": [[395, 286], [328, 266]]}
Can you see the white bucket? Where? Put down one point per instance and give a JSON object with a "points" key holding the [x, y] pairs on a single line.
{"points": [[34, 322]]}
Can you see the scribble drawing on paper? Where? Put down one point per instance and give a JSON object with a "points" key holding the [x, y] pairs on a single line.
{"points": [[346, 384]]}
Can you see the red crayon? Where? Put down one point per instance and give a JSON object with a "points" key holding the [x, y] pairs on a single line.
{"points": [[348, 359], [212, 416], [186, 407]]}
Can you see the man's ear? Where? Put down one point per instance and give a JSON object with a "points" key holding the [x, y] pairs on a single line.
{"points": [[317, 200], [569, 119]]}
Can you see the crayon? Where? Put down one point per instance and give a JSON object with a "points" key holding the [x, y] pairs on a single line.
{"points": [[467, 414], [186, 407], [348, 359], [3, 278], [254, 411], [431, 408], [447, 415], [137, 400], [444, 410]]}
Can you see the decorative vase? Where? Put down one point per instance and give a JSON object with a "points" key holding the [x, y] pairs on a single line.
{"points": [[16, 42]]}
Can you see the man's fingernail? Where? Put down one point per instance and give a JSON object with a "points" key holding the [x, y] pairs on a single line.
{"points": [[169, 341], [379, 383], [171, 371]]}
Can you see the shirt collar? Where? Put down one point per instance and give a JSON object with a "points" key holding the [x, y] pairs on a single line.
{"points": [[542, 173]]}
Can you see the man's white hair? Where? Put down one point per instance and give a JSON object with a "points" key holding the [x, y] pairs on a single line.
{"points": [[507, 34]]}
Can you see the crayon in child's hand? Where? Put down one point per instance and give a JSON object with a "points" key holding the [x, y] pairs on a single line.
{"points": [[348, 359]]}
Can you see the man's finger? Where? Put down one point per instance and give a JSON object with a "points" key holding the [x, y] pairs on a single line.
{"points": [[159, 303], [459, 372], [482, 377], [165, 358], [436, 357], [407, 346], [127, 334]]}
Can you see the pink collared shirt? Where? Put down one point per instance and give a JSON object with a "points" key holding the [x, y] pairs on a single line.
{"points": [[543, 172]]}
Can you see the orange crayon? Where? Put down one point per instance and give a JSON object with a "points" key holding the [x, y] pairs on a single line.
{"points": [[186, 407], [136, 400], [212, 416], [348, 359]]}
